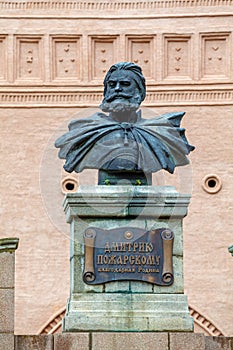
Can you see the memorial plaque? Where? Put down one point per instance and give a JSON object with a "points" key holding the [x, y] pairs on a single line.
{"points": [[128, 253]]}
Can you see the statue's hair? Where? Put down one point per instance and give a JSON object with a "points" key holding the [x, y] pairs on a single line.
{"points": [[137, 76]]}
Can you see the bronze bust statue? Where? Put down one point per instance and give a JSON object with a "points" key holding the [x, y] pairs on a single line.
{"points": [[122, 141]]}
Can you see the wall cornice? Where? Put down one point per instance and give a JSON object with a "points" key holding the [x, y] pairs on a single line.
{"points": [[101, 8], [15, 98], [107, 5]]}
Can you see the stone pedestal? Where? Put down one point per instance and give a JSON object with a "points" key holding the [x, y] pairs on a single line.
{"points": [[126, 305]]}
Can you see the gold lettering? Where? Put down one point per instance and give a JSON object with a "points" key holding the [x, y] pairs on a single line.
{"points": [[157, 259], [137, 260], [112, 260], [141, 247], [149, 247], [99, 259], [126, 259], [130, 245], [143, 259], [107, 248], [131, 259], [151, 260], [135, 246], [115, 247], [105, 259], [119, 260], [122, 246], [147, 270]]}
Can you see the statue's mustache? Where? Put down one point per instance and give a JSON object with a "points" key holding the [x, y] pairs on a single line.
{"points": [[123, 95]]}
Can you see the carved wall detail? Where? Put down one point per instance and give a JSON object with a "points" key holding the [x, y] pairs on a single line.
{"points": [[103, 54], [3, 58], [107, 5], [74, 98], [177, 60], [141, 51], [28, 58], [54, 324], [66, 58], [77, 58], [72, 78], [215, 56], [204, 324]]}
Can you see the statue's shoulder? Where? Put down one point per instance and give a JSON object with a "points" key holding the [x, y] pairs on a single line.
{"points": [[93, 119], [172, 119]]}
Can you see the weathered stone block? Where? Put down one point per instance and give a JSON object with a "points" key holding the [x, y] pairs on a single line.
{"points": [[76, 280], [77, 229], [35, 342], [6, 341], [178, 285], [118, 286], [127, 312], [130, 341], [218, 343], [187, 341], [7, 267], [70, 341], [7, 310], [141, 287], [174, 225]]}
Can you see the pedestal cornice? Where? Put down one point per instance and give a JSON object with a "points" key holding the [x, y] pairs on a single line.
{"points": [[8, 244], [126, 201]]}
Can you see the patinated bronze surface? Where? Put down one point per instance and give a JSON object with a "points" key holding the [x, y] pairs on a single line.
{"points": [[123, 140], [231, 249], [128, 253]]}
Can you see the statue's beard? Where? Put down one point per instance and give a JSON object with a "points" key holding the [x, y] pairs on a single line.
{"points": [[120, 103]]}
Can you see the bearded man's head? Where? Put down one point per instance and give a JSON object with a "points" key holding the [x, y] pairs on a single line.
{"points": [[124, 88]]}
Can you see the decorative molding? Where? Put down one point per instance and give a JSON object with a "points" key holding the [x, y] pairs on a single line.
{"points": [[216, 55], [8, 244], [177, 57], [54, 324], [65, 58], [108, 5], [103, 54], [140, 49], [92, 98], [79, 59], [208, 326], [3, 58], [190, 97], [28, 60]]}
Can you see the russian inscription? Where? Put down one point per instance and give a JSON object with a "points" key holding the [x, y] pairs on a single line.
{"points": [[128, 254]]}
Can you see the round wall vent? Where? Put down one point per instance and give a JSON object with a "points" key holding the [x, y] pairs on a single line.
{"points": [[212, 183], [69, 184]]}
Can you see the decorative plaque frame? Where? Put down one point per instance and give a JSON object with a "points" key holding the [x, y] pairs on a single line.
{"points": [[128, 253]]}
